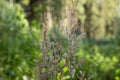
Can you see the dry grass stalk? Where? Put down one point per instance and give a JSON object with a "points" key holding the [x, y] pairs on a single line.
{"points": [[52, 55]]}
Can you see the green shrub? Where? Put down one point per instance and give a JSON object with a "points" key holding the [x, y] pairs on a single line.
{"points": [[17, 45], [105, 59]]}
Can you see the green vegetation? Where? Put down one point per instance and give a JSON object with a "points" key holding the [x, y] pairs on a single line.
{"points": [[23, 39], [18, 47], [104, 57]]}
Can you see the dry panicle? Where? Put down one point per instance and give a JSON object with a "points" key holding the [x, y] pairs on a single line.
{"points": [[52, 55]]}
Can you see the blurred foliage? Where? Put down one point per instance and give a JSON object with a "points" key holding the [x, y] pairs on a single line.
{"points": [[18, 46], [104, 59], [100, 19]]}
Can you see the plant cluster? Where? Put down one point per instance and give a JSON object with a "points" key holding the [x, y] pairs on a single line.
{"points": [[54, 59]]}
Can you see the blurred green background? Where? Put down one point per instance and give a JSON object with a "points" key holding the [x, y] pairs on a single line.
{"points": [[21, 31]]}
